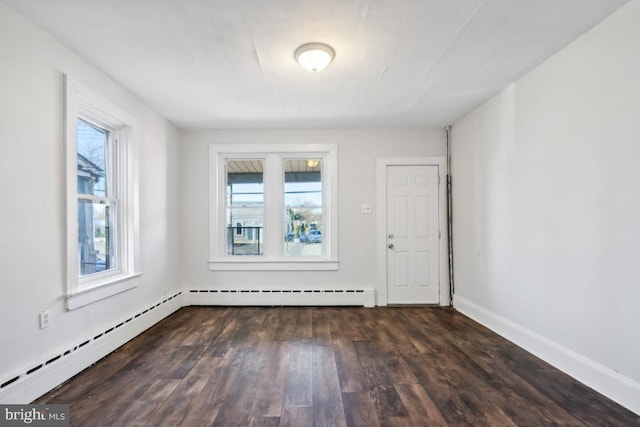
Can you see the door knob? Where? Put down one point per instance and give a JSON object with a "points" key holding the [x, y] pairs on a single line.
{"points": [[390, 246]]}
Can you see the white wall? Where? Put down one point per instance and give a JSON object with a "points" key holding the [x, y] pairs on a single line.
{"points": [[32, 217], [357, 153], [547, 208]]}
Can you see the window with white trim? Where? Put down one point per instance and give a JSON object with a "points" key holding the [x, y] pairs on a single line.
{"points": [[101, 191], [273, 207]]}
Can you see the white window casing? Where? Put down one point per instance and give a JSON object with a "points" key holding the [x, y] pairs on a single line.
{"points": [[82, 103], [273, 156]]}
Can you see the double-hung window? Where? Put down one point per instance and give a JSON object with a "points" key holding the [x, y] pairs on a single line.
{"points": [[98, 199], [101, 187], [273, 207]]}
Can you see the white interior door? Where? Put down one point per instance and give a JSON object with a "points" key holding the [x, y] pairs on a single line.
{"points": [[412, 235]]}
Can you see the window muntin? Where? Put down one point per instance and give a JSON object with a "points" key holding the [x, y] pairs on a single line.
{"points": [[244, 207], [303, 202]]}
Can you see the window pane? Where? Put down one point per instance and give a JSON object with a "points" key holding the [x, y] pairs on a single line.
{"points": [[303, 207], [245, 207], [96, 233], [92, 146]]}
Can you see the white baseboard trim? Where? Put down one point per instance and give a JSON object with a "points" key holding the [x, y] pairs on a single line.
{"points": [[606, 381], [36, 380], [300, 297]]}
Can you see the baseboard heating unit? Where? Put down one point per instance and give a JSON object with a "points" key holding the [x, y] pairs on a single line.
{"points": [[40, 376], [276, 297]]}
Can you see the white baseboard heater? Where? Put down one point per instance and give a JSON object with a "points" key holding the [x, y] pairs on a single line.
{"points": [[276, 297], [42, 375]]}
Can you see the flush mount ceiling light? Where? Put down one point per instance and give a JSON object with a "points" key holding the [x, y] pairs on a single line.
{"points": [[314, 57]]}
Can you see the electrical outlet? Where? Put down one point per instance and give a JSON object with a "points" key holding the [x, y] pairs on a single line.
{"points": [[366, 208], [44, 319]]}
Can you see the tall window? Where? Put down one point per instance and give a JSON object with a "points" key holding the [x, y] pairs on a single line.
{"points": [[101, 187], [245, 207], [97, 199], [273, 207], [303, 206]]}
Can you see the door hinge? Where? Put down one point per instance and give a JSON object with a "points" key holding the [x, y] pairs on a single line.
{"points": [[438, 179], [439, 234]]}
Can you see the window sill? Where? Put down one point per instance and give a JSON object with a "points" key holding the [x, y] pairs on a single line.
{"points": [[106, 289], [273, 265]]}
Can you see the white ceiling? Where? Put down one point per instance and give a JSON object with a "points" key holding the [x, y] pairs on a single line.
{"points": [[206, 64]]}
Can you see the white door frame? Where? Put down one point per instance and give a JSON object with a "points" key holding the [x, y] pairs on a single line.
{"points": [[381, 223]]}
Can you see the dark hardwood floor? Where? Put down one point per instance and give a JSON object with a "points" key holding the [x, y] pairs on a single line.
{"points": [[281, 366]]}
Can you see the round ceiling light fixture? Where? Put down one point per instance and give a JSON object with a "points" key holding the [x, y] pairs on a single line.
{"points": [[314, 57]]}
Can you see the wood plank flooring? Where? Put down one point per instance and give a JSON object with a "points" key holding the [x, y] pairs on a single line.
{"points": [[326, 366]]}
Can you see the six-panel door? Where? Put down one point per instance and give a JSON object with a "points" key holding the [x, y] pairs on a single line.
{"points": [[412, 235]]}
